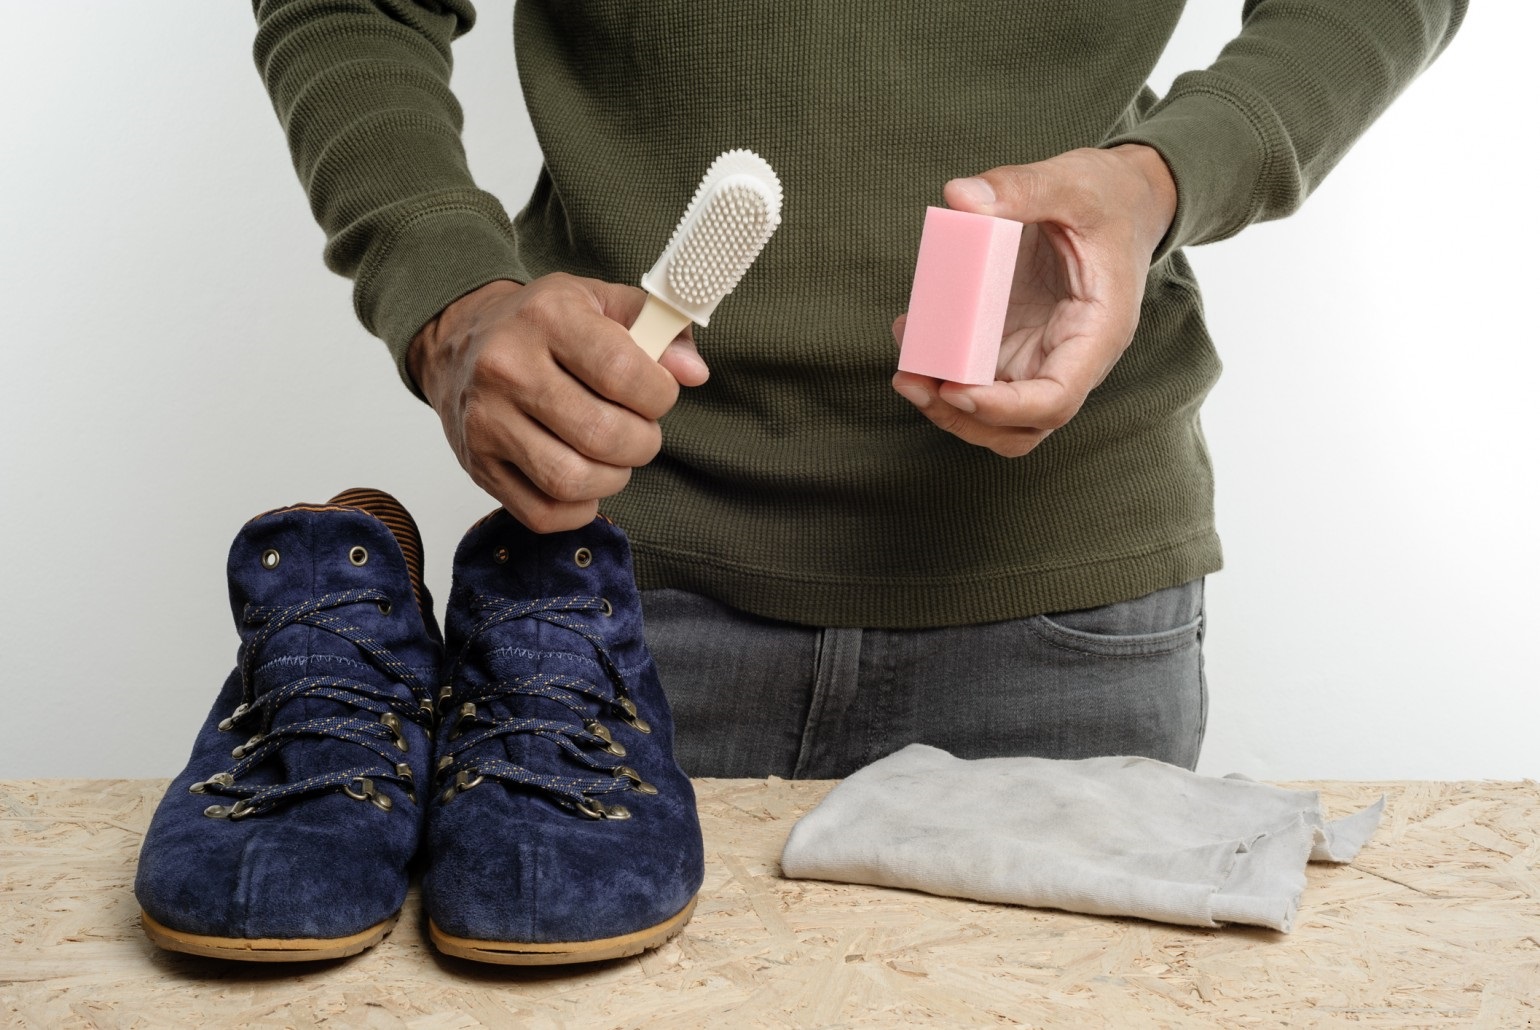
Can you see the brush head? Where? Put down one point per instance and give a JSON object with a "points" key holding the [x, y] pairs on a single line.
{"points": [[731, 217]]}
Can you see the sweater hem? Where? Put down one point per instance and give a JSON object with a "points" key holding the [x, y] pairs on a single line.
{"points": [[930, 602]]}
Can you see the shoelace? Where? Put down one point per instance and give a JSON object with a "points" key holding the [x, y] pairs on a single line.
{"points": [[583, 740], [379, 731]]}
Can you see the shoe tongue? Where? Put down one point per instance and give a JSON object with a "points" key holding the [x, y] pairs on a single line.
{"points": [[502, 559], [295, 554], [400, 523]]}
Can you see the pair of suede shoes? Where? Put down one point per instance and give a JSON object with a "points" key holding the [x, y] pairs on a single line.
{"points": [[527, 766]]}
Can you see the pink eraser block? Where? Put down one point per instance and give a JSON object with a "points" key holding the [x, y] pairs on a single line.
{"points": [[962, 281]]}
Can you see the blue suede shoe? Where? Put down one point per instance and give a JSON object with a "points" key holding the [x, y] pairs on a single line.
{"points": [[288, 835], [560, 828]]}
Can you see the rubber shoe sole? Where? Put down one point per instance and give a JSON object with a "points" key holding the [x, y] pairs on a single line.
{"points": [[264, 949], [511, 953]]}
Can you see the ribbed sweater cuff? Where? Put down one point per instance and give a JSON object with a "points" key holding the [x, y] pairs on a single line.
{"points": [[1217, 152], [434, 258]]}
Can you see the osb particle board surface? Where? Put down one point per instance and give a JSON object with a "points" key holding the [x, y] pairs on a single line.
{"points": [[1436, 924]]}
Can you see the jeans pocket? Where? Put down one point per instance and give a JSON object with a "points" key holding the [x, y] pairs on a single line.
{"points": [[1127, 678], [1157, 623]]}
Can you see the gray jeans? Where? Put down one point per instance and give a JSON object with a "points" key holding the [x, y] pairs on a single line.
{"points": [[753, 697]]}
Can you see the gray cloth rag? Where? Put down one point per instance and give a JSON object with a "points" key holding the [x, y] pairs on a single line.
{"points": [[1108, 836]]}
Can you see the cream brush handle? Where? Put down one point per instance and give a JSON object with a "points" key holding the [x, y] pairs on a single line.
{"points": [[657, 325]]}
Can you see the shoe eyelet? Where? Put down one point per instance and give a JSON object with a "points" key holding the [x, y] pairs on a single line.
{"points": [[240, 810], [223, 779], [385, 607], [465, 779], [409, 784], [467, 713], [601, 732], [605, 608], [242, 750], [630, 717], [592, 809], [392, 722], [270, 559], [358, 555], [367, 791], [228, 723], [638, 784], [500, 555], [583, 558]]}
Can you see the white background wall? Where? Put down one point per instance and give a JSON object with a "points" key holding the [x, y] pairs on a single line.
{"points": [[178, 360]]}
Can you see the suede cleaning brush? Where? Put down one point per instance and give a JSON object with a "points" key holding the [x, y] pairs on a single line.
{"points": [[728, 222]]}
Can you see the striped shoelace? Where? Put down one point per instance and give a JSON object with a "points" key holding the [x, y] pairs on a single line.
{"points": [[584, 739], [375, 726]]}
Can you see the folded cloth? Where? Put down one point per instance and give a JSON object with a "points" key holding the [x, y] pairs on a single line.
{"points": [[1108, 836]]}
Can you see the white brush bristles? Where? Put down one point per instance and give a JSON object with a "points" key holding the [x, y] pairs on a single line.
{"points": [[731, 217], [733, 225]]}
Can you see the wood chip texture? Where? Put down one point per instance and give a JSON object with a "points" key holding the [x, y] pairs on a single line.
{"points": [[1437, 923]]}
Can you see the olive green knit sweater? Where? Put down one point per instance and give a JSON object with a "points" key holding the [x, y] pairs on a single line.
{"points": [[796, 484]]}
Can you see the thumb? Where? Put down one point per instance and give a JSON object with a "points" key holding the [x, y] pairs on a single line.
{"points": [[684, 362], [1041, 192]]}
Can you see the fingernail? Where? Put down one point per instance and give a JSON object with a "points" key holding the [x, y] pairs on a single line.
{"points": [[962, 402], [696, 362], [976, 190], [916, 395]]}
